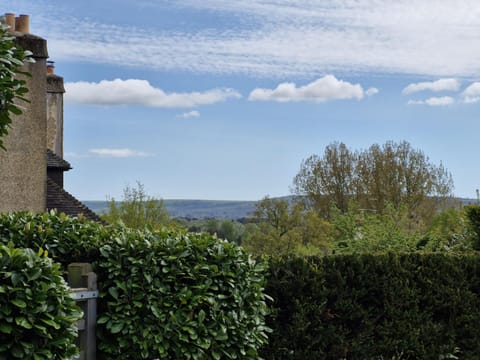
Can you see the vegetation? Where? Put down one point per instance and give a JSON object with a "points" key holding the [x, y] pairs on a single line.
{"points": [[163, 294], [172, 296], [37, 315], [137, 209], [393, 174], [411, 306], [12, 87]]}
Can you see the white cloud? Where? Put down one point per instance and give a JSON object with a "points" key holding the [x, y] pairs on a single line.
{"points": [[140, 92], [119, 153], [433, 101], [371, 91], [323, 89], [190, 114], [438, 85], [280, 38], [472, 93]]}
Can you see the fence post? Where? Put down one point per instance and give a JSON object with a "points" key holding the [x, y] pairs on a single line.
{"points": [[83, 283]]}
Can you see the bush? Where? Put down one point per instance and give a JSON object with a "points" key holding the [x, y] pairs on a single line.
{"points": [[179, 296], [415, 306], [37, 314], [67, 239], [166, 295]]}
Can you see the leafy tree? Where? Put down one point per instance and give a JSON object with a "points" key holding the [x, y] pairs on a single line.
{"points": [[284, 228], [392, 174], [12, 88], [137, 209], [327, 180], [448, 232]]}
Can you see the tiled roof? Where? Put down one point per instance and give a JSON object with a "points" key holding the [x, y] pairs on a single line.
{"points": [[62, 201], [56, 162]]}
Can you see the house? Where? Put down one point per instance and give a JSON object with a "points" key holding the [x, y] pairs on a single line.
{"points": [[31, 170]]}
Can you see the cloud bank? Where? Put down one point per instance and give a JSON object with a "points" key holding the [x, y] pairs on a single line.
{"points": [[438, 85], [278, 38], [140, 92], [323, 89]]}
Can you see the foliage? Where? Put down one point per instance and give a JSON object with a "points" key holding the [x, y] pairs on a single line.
{"points": [[285, 228], [179, 296], [12, 88], [473, 216], [67, 239], [360, 231], [392, 174], [137, 209], [410, 306], [37, 315], [449, 232]]}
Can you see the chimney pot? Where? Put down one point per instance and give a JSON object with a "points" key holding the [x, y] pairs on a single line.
{"points": [[50, 67], [10, 21], [22, 24]]}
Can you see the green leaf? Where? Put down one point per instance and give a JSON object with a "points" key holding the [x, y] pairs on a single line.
{"points": [[19, 303]]}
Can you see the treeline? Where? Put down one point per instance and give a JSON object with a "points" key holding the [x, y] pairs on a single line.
{"points": [[388, 197]]}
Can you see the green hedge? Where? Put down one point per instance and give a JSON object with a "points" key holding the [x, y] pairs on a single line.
{"points": [[67, 239], [37, 314], [375, 307], [179, 296], [166, 295]]}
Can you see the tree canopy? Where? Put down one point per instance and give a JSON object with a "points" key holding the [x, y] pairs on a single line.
{"points": [[390, 174]]}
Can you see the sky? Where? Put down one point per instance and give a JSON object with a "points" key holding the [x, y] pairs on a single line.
{"points": [[223, 99]]}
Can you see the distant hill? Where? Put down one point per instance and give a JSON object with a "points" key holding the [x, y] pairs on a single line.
{"points": [[199, 209], [219, 209]]}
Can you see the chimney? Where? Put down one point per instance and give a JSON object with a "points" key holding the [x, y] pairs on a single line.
{"points": [[23, 167], [22, 24], [50, 67], [55, 90], [10, 21]]}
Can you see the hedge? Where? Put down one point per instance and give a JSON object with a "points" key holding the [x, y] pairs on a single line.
{"points": [[37, 314], [415, 306], [179, 296], [163, 294], [67, 239]]}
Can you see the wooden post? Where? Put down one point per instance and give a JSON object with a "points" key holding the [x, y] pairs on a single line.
{"points": [[83, 282]]}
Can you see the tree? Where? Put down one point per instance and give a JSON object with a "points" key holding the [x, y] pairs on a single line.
{"points": [[137, 209], [12, 88], [285, 228], [391, 174], [327, 180]]}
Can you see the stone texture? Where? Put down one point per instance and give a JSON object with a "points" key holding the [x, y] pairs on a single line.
{"points": [[23, 167]]}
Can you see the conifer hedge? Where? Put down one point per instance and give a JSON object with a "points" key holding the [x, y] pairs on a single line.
{"points": [[412, 306]]}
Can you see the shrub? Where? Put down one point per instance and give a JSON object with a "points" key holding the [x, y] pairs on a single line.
{"points": [[67, 239], [37, 314], [179, 296], [408, 306]]}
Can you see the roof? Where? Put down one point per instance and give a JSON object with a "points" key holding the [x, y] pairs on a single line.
{"points": [[62, 201], [56, 162]]}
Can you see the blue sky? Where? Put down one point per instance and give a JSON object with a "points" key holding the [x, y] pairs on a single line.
{"points": [[222, 99]]}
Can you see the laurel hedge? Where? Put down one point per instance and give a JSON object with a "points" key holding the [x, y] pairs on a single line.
{"points": [[163, 294], [37, 314], [412, 306], [167, 295]]}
